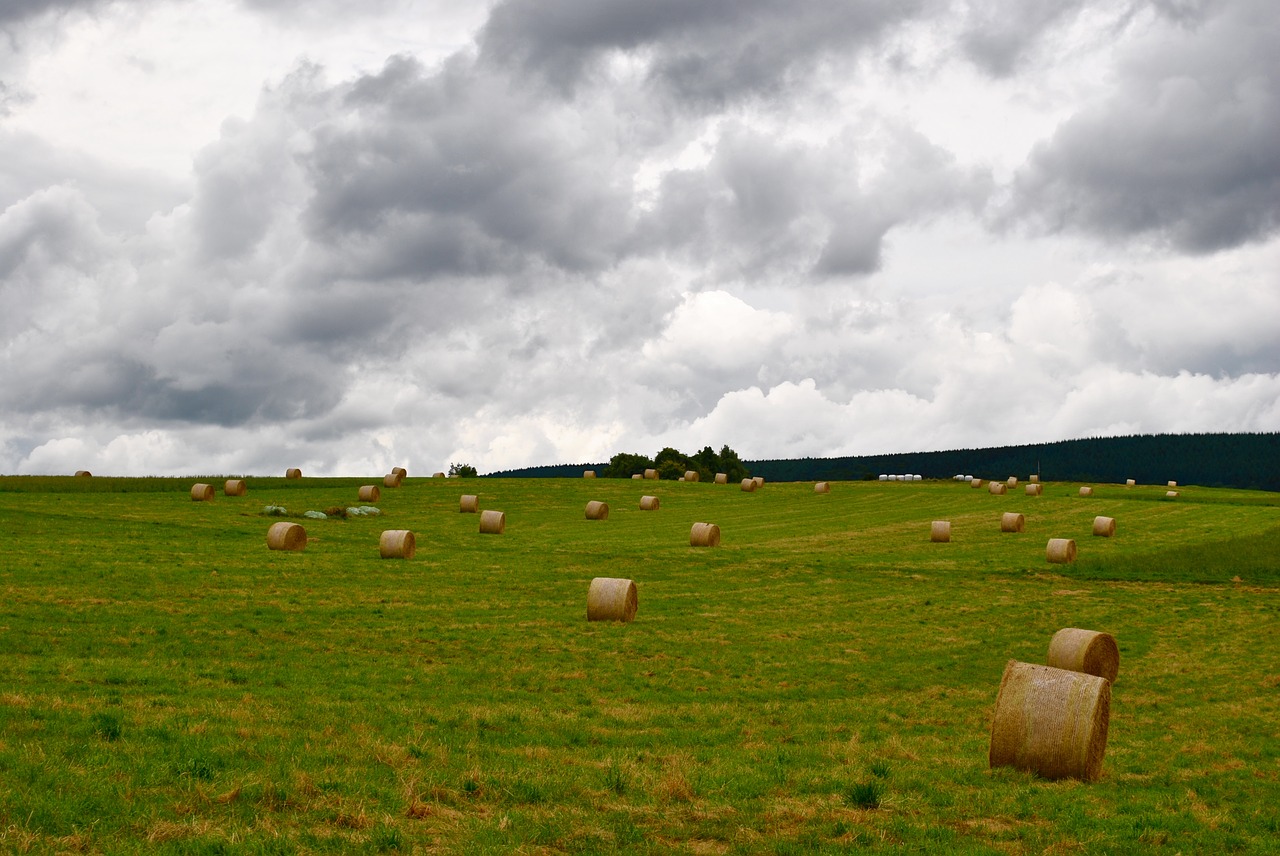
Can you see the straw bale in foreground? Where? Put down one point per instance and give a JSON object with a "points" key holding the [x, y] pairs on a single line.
{"points": [[611, 599], [369, 493], [1012, 521], [469, 504], [822, 487], [234, 487], [201, 492], [649, 503], [597, 510], [397, 544], [940, 531], [493, 522], [1060, 551], [1051, 722], [1087, 651], [293, 473], [286, 536], [1104, 527], [704, 535]]}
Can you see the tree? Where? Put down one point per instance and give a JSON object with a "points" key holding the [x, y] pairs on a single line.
{"points": [[624, 466], [462, 470]]}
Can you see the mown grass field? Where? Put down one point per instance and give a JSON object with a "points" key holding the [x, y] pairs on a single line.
{"points": [[822, 682]]}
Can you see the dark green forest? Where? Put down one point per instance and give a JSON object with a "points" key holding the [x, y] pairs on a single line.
{"points": [[1250, 461]]}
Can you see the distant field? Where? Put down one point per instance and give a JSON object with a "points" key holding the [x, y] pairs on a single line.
{"points": [[822, 682]]}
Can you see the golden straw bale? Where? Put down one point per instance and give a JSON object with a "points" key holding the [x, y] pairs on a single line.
{"points": [[588, 474], [597, 510], [83, 474], [1085, 651], [369, 493], [293, 473], [612, 599], [1011, 521], [400, 471], [691, 475], [1013, 481], [1051, 722], [234, 487], [1060, 551], [749, 485], [637, 476], [996, 488], [1086, 491], [975, 482], [822, 487], [722, 478], [469, 504], [651, 474], [940, 531], [493, 522], [397, 544], [759, 480], [201, 492], [1034, 479], [649, 503], [1104, 527], [392, 480], [438, 475], [286, 536], [1034, 489], [704, 535]]}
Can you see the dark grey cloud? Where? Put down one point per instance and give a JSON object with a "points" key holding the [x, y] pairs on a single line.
{"points": [[14, 11], [1000, 34]]}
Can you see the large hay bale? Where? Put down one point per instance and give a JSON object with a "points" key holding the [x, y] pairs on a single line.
{"points": [[493, 522], [1060, 551], [1085, 490], [691, 476], [201, 492], [392, 480], [286, 536], [469, 504], [400, 471], [1104, 527], [749, 485], [704, 535], [234, 487], [652, 475], [975, 482], [996, 488], [369, 493], [1087, 651], [612, 599], [1012, 521], [722, 478], [1033, 489], [940, 531], [83, 474], [822, 487], [1051, 722], [588, 474], [597, 510], [649, 503], [293, 473], [397, 544]]}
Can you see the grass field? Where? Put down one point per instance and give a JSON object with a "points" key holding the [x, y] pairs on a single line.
{"points": [[822, 682]]}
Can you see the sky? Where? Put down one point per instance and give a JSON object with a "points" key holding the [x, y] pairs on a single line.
{"points": [[238, 236]]}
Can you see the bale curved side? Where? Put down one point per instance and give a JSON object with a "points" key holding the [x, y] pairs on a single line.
{"points": [[940, 531]]}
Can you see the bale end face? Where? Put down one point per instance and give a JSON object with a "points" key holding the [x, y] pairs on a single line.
{"points": [[704, 535], [369, 493], [1104, 527], [1011, 521], [612, 599], [940, 531], [649, 503], [201, 493], [468, 504], [397, 544], [1051, 722], [597, 510], [1087, 651], [286, 536], [1061, 551], [493, 522]]}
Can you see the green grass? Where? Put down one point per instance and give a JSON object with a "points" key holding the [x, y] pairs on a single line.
{"points": [[820, 683]]}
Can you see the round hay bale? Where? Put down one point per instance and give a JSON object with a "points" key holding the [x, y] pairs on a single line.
{"points": [[1034, 489], [1012, 521], [400, 471], [1171, 494], [759, 480], [469, 504], [704, 535], [397, 544], [369, 493], [652, 475], [1104, 527], [293, 473], [83, 474], [493, 522], [611, 599], [637, 476], [1086, 491], [201, 492], [1173, 484], [1085, 651], [649, 503], [392, 480], [597, 510], [975, 482], [996, 488], [749, 485], [1051, 722], [234, 487], [940, 531], [588, 474], [1129, 482], [1013, 481], [822, 487], [722, 478], [1034, 479], [286, 536], [437, 475], [1061, 551], [691, 476]]}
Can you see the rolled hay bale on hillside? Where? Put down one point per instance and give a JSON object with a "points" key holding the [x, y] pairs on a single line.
{"points": [[940, 531], [1034, 479], [469, 504], [1051, 722], [286, 536], [1171, 494], [996, 488], [722, 478], [493, 522], [691, 476], [651, 474], [759, 480], [397, 544], [704, 535], [1012, 521], [649, 503], [202, 493], [1060, 551], [637, 476], [975, 482], [822, 487], [1085, 490], [1129, 482], [369, 493], [392, 479], [1012, 482], [1087, 651], [234, 487], [293, 473], [83, 474], [612, 599], [749, 485], [400, 471], [1034, 489], [597, 510], [1104, 527], [1172, 484], [588, 474]]}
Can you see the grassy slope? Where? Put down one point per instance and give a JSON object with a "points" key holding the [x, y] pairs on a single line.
{"points": [[167, 683]]}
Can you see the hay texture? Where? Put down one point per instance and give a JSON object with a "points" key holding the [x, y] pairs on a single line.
{"points": [[588, 474], [692, 476], [83, 474], [1033, 489], [286, 536], [397, 544], [822, 487], [975, 482], [597, 510], [469, 504], [749, 485], [234, 487], [611, 599], [201, 492], [392, 479], [649, 503], [996, 488], [1086, 491], [722, 478], [1085, 651], [1051, 722], [1060, 551], [704, 535], [293, 473], [493, 522], [940, 531], [759, 480], [369, 493], [652, 475], [1012, 521], [1104, 527]]}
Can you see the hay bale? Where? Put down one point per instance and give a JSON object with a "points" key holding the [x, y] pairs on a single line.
{"points": [[234, 487], [940, 531], [1173, 484], [652, 475], [597, 510], [1012, 521], [611, 599], [704, 535], [1051, 722], [822, 487], [400, 471], [493, 522], [749, 485], [392, 480], [1034, 489], [1013, 481], [1085, 651], [1034, 479], [286, 536], [1104, 527], [996, 488], [201, 492], [1129, 482], [369, 493], [649, 503], [588, 474], [1061, 551], [397, 544], [759, 480], [83, 474], [293, 473], [975, 482], [691, 475], [637, 476], [438, 475], [469, 504], [1171, 494], [722, 478]]}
